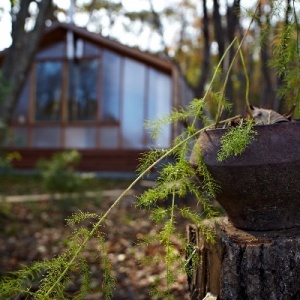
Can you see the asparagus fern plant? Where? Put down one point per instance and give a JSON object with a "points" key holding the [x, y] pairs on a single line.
{"points": [[175, 180]]}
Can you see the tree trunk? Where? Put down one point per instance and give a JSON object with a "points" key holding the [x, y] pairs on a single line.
{"points": [[268, 91], [279, 105], [20, 55], [233, 15], [245, 264], [219, 31], [205, 69]]}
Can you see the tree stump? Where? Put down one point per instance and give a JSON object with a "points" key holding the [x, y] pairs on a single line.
{"points": [[245, 264]]}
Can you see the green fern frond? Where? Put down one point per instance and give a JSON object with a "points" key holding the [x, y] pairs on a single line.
{"points": [[80, 216], [195, 217], [155, 293], [286, 59], [58, 264], [159, 214], [150, 197], [204, 199], [282, 55], [155, 127], [173, 177], [195, 110], [171, 173], [149, 158], [236, 140], [208, 185], [19, 282], [77, 237], [192, 259], [109, 281], [86, 279], [183, 151], [219, 99], [167, 231], [208, 233]]}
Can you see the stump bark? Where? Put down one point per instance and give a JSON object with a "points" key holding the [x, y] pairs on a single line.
{"points": [[245, 264]]}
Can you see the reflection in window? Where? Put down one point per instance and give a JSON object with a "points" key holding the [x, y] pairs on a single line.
{"points": [[54, 51], [159, 105], [80, 137], [48, 90], [83, 78], [109, 137], [21, 111], [46, 137], [110, 86], [133, 106], [90, 49]]}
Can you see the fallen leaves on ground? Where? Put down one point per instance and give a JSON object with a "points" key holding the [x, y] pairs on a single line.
{"points": [[34, 231]]}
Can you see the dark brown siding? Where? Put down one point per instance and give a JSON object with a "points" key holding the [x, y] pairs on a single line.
{"points": [[91, 160]]}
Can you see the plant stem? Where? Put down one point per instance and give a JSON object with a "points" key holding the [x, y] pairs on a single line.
{"points": [[168, 246], [221, 104], [191, 256], [247, 83], [214, 76], [116, 202]]}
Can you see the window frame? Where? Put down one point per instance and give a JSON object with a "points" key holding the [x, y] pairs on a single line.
{"points": [[98, 123]]}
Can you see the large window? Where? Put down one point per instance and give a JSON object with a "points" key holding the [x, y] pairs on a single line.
{"points": [[46, 137], [21, 113], [100, 99], [133, 116], [111, 86], [159, 105], [82, 92], [48, 91]]}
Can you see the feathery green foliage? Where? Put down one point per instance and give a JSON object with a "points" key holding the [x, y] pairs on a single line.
{"points": [[67, 265], [176, 179], [20, 282], [286, 61], [286, 56], [80, 216], [109, 281], [236, 139], [58, 174]]}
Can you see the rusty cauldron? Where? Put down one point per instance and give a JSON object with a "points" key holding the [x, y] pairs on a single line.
{"points": [[260, 189]]}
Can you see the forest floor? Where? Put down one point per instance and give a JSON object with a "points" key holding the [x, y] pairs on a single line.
{"points": [[36, 230]]}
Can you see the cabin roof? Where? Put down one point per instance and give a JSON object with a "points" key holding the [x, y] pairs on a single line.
{"points": [[57, 32]]}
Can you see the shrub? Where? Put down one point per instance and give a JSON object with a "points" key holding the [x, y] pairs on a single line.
{"points": [[59, 175]]}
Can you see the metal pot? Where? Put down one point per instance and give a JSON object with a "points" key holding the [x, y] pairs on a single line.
{"points": [[260, 189]]}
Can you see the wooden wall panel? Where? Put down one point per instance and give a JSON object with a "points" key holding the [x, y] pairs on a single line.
{"points": [[91, 160]]}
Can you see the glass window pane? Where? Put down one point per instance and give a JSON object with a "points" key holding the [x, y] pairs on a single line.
{"points": [[159, 105], [111, 74], [91, 50], [83, 83], [54, 51], [48, 91], [80, 137], [21, 111], [133, 106], [109, 137], [46, 137]]}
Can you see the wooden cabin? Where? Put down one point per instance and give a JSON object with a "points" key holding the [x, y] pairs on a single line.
{"points": [[93, 94]]}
